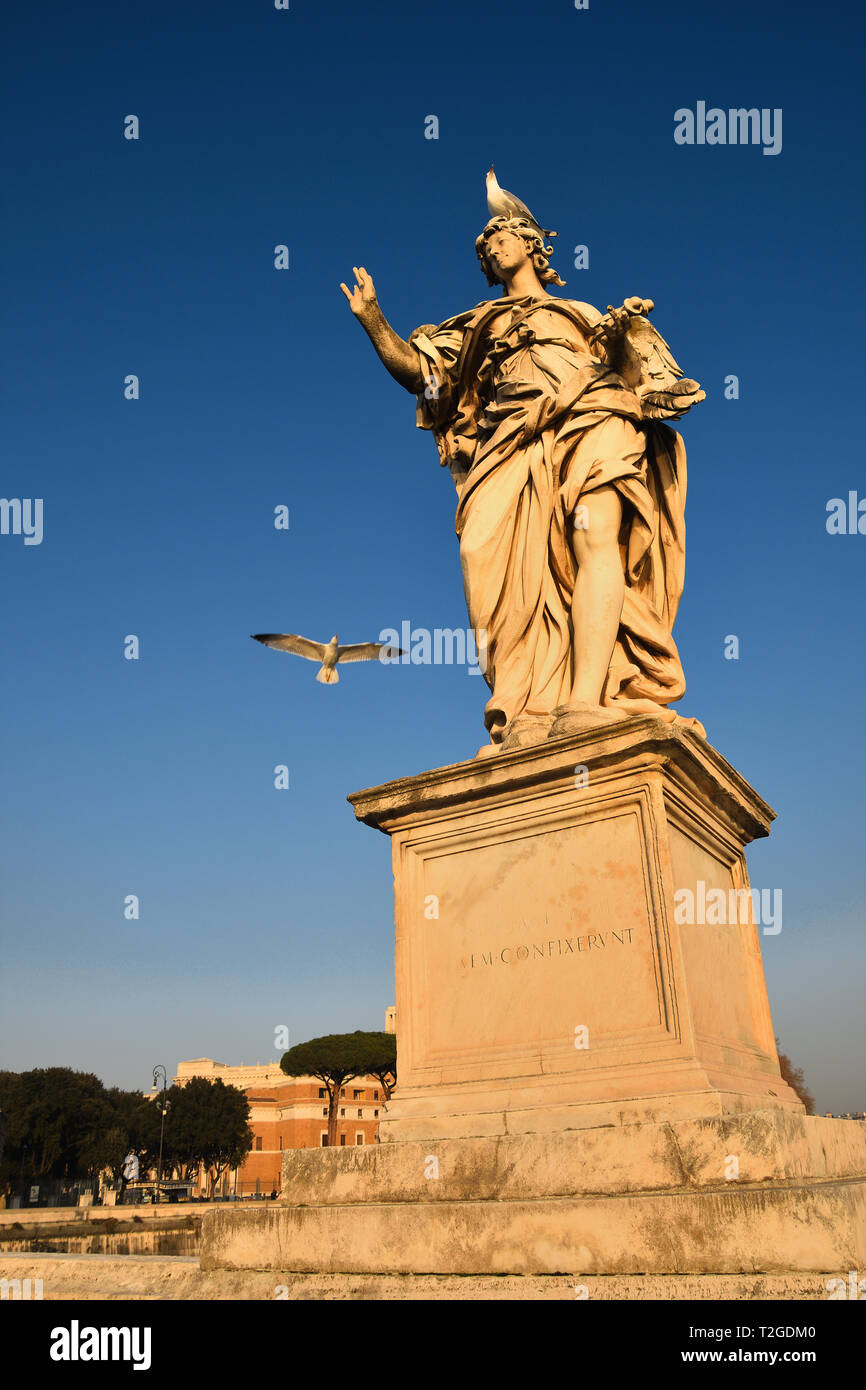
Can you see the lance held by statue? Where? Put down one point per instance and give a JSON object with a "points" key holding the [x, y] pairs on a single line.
{"points": [[571, 489]]}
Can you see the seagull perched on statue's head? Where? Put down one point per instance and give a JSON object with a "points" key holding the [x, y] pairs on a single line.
{"points": [[329, 653], [501, 203]]}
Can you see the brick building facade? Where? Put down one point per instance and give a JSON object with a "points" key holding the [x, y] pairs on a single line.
{"points": [[288, 1113]]}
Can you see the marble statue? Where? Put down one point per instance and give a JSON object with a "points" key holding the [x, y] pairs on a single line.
{"points": [[571, 487]]}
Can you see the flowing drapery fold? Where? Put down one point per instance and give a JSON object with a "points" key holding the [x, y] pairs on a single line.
{"points": [[529, 425]]}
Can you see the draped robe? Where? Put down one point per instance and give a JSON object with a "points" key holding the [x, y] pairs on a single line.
{"points": [[529, 424]]}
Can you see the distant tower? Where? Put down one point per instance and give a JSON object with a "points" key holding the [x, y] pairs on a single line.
{"points": [[391, 1019]]}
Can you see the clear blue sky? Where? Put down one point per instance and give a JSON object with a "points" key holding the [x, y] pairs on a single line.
{"points": [[258, 127]]}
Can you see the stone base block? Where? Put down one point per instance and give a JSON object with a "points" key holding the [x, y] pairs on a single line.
{"points": [[818, 1227], [770, 1192], [762, 1146]]}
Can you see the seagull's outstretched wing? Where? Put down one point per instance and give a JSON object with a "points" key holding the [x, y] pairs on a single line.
{"points": [[291, 642], [366, 651]]}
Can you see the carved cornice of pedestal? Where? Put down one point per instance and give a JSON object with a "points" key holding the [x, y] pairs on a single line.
{"points": [[643, 742]]}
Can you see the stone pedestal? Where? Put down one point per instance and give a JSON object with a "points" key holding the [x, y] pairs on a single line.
{"points": [[764, 1193], [544, 980], [588, 1080]]}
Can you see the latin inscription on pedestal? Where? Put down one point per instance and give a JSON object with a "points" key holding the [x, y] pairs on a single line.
{"points": [[542, 940]]}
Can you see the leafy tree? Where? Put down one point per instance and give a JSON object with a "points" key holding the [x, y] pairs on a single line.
{"points": [[98, 1149], [796, 1080], [64, 1123], [340, 1057], [207, 1125], [10, 1159], [56, 1117], [135, 1128], [384, 1064]]}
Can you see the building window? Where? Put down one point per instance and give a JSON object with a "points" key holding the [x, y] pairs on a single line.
{"points": [[325, 1111], [258, 1143], [322, 1093], [359, 1138], [375, 1095], [342, 1114], [342, 1141], [324, 1138], [360, 1114], [375, 1114], [281, 1143], [342, 1091], [357, 1095]]}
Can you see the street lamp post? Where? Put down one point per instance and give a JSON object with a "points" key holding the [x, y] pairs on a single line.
{"points": [[156, 1073]]}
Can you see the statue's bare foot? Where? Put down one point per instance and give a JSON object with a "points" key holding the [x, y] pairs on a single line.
{"points": [[621, 709], [665, 714]]}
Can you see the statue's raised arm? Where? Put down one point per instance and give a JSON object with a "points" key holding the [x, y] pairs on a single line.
{"points": [[394, 353]]}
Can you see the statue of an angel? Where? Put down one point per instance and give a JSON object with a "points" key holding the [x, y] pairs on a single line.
{"points": [[571, 489]]}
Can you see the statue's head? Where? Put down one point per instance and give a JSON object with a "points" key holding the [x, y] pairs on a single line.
{"points": [[509, 242]]}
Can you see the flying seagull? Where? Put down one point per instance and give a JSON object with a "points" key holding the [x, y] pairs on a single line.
{"points": [[501, 203], [329, 653]]}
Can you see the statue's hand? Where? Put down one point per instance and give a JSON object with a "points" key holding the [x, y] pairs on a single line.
{"points": [[398, 357], [362, 297], [613, 326]]}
